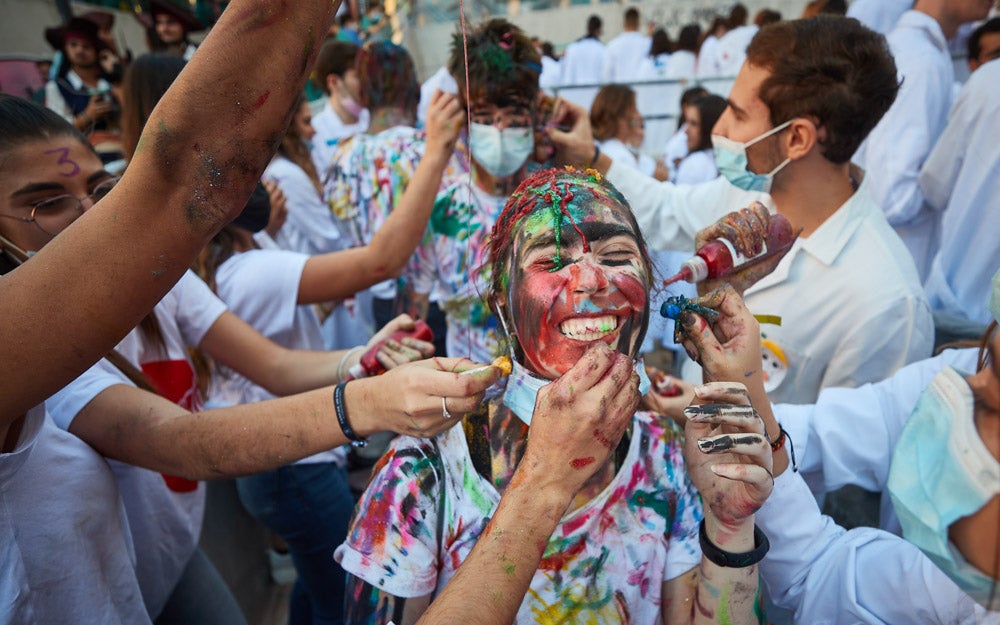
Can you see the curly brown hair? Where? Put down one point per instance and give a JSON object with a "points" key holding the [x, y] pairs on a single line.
{"points": [[502, 62]]}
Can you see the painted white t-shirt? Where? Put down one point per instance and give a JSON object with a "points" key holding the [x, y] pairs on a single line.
{"points": [[308, 228], [164, 512], [261, 287], [616, 551], [66, 553]]}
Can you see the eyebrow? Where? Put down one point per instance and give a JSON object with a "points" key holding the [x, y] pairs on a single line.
{"points": [[55, 186], [591, 231], [736, 109]]}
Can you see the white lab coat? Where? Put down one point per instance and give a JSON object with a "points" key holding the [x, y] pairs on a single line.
{"points": [[879, 15], [582, 64], [623, 57], [829, 576], [848, 435], [961, 177], [732, 50], [898, 146], [708, 62], [551, 75]]}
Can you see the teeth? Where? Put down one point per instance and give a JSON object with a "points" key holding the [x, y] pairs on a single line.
{"points": [[590, 328]]}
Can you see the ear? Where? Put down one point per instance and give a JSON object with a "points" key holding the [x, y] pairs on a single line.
{"points": [[332, 84], [802, 137]]}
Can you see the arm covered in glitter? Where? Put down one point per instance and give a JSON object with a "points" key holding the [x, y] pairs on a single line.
{"points": [[202, 152]]}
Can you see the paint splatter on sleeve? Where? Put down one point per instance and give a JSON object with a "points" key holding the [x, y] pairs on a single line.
{"points": [[392, 543], [684, 550]]}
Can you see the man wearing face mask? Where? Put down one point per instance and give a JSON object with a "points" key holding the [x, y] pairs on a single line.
{"points": [[929, 436], [503, 69], [342, 116], [851, 305]]}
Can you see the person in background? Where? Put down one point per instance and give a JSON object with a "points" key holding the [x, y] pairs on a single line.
{"points": [[699, 120], [172, 23], [624, 54], [731, 51], [583, 63], [451, 261], [341, 116], [676, 148], [551, 75], [708, 55], [684, 60], [960, 180], [765, 17], [896, 149], [984, 44], [80, 93], [619, 129]]}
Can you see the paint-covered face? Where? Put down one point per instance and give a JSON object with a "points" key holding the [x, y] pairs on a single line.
{"points": [[35, 175], [576, 277]]}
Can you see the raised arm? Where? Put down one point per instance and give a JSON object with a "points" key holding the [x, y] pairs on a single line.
{"points": [[205, 147], [341, 274]]}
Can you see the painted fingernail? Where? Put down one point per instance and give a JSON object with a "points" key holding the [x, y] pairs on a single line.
{"points": [[701, 390], [687, 319], [709, 445]]}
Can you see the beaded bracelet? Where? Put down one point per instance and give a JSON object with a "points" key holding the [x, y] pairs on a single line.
{"points": [[779, 443], [341, 409], [734, 560]]}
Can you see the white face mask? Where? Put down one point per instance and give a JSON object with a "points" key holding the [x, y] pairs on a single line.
{"points": [[942, 471], [731, 160], [523, 386], [500, 152]]}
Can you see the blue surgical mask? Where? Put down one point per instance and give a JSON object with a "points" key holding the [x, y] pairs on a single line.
{"points": [[942, 471], [523, 386], [500, 152], [731, 160]]}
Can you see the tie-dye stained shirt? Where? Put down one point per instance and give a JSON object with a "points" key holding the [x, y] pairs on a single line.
{"points": [[367, 178], [605, 562], [454, 259]]}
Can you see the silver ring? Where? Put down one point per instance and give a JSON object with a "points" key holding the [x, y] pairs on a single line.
{"points": [[444, 408]]}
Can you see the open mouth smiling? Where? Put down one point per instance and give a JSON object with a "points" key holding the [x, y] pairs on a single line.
{"points": [[589, 328]]}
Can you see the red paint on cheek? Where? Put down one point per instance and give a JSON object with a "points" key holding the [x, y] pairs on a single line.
{"points": [[579, 463], [261, 100], [632, 288]]}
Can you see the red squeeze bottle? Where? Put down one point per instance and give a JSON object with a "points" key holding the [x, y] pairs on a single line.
{"points": [[369, 364], [718, 258]]}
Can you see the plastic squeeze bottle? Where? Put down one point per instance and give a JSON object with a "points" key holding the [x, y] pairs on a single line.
{"points": [[718, 258]]}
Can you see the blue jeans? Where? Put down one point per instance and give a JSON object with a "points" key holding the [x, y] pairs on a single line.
{"points": [[201, 597], [309, 506]]}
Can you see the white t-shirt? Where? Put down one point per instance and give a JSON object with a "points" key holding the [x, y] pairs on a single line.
{"points": [[697, 167], [66, 553], [261, 287], [454, 258], [309, 227], [732, 50], [640, 531], [164, 512], [330, 129]]}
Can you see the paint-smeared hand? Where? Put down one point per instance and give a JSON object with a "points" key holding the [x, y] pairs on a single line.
{"points": [[729, 349], [747, 230], [393, 353], [444, 122], [727, 453], [668, 396], [408, 399], [576, 146], [580, 418]]}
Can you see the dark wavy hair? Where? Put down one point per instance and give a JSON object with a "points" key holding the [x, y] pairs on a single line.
{"points": [[502, 62]]}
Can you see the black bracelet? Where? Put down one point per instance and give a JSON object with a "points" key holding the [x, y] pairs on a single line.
{"points": [[597, 153], [341, 409], [734, 560]]}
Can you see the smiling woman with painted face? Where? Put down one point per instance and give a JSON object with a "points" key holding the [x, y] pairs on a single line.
{"points": [[571, 280]]}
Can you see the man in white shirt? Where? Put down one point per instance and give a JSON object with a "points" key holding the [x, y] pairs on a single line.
{"points": [[895, 151], [731, 49], [342, 116], [961, 179], [625, 53], [583, 63], [852, 308]]}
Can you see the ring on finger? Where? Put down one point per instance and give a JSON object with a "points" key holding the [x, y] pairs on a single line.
{"points": [[444, 408]]}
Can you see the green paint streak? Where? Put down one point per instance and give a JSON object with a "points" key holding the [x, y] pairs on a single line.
{"points": [[661, 506], [723, 613], [470, 485]]}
